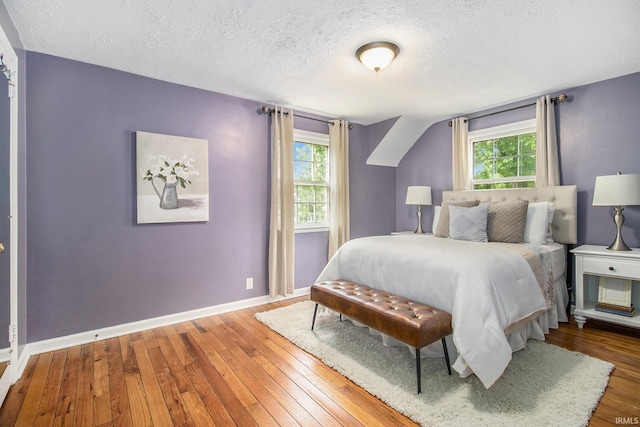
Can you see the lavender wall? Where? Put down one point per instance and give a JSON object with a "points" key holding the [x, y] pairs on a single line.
{"points": [[598, 132], [89, 264]]}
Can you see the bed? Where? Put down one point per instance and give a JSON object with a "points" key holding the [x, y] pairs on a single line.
{"points": [[500, 294]]}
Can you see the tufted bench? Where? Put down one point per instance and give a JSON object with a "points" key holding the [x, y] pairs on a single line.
{"points": [[411, 322]]}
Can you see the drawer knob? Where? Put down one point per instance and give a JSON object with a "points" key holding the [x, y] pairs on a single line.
{"points": [[611, 268]]}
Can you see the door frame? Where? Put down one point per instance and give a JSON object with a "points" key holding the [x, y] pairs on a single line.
{"points": [[10, 59]]}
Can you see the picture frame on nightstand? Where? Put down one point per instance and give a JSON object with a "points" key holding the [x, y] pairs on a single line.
{"points": [[614, 291]]}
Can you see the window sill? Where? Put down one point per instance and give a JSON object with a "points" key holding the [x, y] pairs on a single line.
{"points": [[302, 230]]}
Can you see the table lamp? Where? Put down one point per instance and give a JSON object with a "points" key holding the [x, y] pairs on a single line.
{"points": [[419, 195], [617, 191]]}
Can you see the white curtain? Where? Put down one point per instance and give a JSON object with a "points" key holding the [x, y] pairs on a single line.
{"points": [[547, 168], [461, 154], [281, 230], [339, 232]]}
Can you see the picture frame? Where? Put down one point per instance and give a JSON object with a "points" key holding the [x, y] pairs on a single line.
{"points": [[614, 291], [172, 178]]}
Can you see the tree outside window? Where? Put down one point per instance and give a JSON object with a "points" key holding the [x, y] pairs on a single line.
{"points": [[506, 159], [311, 179]]}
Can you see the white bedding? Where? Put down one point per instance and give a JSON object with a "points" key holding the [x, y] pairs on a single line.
{"points": [[486, 288]]}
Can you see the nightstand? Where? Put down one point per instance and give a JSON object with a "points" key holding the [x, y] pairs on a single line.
{"points": [[594, 262]]}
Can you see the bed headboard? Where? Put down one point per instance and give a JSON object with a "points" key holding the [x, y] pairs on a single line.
{"points": [[564, 198]]}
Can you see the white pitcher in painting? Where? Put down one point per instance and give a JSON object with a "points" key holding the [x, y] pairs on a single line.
{"points": [[169, 196], [171, 173]]}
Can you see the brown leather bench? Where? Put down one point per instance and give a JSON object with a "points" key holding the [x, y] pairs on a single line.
{"points": [[408, 321]]}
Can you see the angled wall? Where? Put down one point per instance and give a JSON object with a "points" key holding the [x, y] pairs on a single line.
{"points": [[598, 130]]}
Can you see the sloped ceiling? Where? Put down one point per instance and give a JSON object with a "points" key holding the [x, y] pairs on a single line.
{"points": [[456, 56]]}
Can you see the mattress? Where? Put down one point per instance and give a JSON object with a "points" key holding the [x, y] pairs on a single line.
{"points": [[489, 288]]}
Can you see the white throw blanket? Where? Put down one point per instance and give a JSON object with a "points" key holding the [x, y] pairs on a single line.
{"points": [[485, 287]]}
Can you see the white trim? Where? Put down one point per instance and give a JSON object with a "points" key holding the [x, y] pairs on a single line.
{"points": [[301, 229], [5, 383], [5, 354], [501, 131], [311, 137], [58, 343], [10, 59]]}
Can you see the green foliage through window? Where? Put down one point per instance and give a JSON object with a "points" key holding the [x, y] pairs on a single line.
{"points": [[311, 182], [505, 162]]}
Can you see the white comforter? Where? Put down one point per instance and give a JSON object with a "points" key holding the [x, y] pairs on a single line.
{"points": [[485, 287]]}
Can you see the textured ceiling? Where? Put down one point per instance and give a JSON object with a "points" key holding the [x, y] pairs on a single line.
{"points": [[456, 56]]}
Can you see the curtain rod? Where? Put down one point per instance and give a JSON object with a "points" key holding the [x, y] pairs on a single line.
{"points": [[560, 98], [267, 110]]}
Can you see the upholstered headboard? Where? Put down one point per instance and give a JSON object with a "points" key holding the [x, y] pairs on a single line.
{"points": [[564, 199]]}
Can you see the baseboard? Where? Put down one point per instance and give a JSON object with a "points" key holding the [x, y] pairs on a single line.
{"points": [[53, 344], [5, 354]]}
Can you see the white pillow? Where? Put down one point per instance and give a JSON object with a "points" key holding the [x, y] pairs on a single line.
{"points": [[468, 223], [537, 223], [552, 210], [436, 218]]}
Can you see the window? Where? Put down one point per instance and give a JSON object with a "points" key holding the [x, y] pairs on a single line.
{"points": [[504, 156], [311, 180]]}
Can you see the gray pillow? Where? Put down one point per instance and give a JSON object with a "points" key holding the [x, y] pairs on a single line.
{"points": [[442, 230], [506, 221], [468, 223]]}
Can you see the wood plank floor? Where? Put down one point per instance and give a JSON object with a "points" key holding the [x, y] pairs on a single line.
{"points": [[232, 370]]}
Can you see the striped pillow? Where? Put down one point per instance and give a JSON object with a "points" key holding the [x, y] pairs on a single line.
{"points": [[468, 223]]}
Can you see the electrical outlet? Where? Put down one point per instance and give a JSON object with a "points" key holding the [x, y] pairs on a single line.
{"points": [[249, 283]]}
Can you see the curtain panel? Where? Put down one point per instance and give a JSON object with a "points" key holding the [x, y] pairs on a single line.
{"points": [[339, 225], [547, 167], [461, 154], [281, 229]]}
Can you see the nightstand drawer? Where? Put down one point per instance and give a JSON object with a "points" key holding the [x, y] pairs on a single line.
{"points": [[610, 267]]}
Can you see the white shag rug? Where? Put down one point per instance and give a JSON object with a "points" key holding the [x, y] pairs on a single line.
{"points": [[544, 385]]}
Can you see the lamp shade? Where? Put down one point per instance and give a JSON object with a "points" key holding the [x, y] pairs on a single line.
{"points": [[418, 195], [617, 190]]}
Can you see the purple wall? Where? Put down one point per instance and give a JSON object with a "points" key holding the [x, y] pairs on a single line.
{"points": [[89, 264], [598, 130]]}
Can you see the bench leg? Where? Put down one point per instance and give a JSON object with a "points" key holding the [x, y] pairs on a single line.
{"points": [[446, 355], [315, 311], [418, 370]]}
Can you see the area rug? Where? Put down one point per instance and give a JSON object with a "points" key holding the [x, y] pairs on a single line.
{"points": [[544, 385]]}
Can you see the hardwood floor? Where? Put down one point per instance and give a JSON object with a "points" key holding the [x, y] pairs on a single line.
{"points": [[230, 369]]}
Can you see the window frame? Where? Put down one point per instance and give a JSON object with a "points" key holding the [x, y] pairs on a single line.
{"points": [[316, 138], [495, 132]]}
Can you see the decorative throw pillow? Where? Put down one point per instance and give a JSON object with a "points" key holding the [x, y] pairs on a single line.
{"points": [[442, 230], [506, 221], [468, 223], [537, 224]]}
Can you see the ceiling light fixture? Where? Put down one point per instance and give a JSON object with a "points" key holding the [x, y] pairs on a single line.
{"points": [[377, 55]]}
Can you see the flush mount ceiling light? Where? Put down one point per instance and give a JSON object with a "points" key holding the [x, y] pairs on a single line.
{"points": [[377, 55]]}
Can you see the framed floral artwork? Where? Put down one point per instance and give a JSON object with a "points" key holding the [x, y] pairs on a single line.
{"points": [[172, 178], [614, 291]]}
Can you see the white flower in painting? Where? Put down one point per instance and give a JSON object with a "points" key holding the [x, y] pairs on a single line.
{"points": [[169, 170]]}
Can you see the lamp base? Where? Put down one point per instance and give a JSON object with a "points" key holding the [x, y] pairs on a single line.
{"points": [[619, 244], [419, 230]]}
